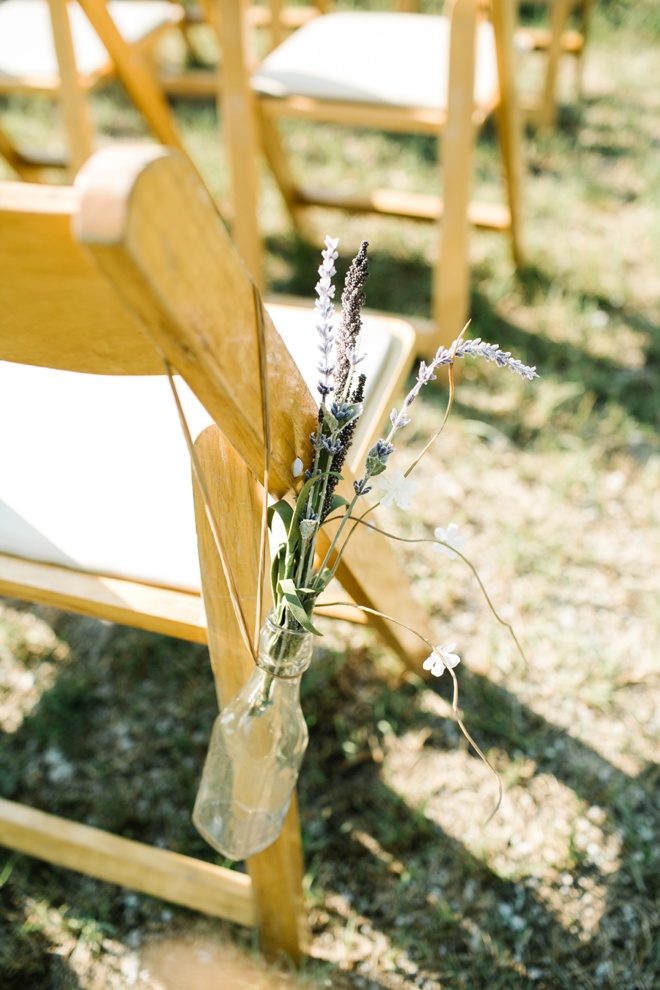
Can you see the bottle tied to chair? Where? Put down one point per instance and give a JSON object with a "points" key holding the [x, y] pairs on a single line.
{"points": [[256, 749]]}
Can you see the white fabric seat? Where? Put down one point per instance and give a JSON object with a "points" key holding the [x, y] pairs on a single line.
{"points": [[396, 60], [27, 50], [94, 470]]}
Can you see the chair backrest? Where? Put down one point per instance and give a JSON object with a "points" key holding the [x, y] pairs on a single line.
{"points": [[140, 226], [157, 277]]}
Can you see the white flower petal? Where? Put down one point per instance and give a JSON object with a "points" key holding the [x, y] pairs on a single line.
{"points": [[398, 489], [441, 548], [442, 656], [450, 540]]}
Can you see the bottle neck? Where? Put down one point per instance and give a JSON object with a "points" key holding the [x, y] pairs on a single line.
{"points": [[283, 653]]}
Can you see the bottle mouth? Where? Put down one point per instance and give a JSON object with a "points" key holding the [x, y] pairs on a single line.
{"points": [[283, 652], [275, 627]]}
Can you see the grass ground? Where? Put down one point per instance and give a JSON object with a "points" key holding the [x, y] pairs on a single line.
{"points": [[555, 485]]}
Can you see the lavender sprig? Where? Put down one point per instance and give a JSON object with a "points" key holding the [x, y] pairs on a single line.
{"points": [[324, 308], [298, 577], [352, 301], [346, 439], [489, 352], [479, 348], [444, 356]]}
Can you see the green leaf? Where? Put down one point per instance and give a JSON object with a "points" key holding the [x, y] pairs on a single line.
{"points": [[295, 606], [330, 423], [277, 568], [301, 504], [338, 502], [283, 510], [322, 579]]}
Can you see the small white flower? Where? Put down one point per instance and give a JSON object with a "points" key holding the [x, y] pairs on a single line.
{"points": [[397, 489], [442, 656], [450, 540], [297, 469]]}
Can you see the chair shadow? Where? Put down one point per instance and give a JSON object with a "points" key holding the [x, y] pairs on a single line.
{"points": [[403, 842], [384, 857]]}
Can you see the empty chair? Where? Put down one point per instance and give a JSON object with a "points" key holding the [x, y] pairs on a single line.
{"points": [[437, 75]]}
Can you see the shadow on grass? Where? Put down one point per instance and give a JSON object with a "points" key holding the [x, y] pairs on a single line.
{"points": [[394, 869], [438, 901]]}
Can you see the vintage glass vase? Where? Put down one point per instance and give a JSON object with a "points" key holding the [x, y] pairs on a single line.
{"points": [[256, 749]]}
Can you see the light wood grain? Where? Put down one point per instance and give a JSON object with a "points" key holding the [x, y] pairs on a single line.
{"points": [[158, 872], [144, 606], [75, 320], [277, 872]]}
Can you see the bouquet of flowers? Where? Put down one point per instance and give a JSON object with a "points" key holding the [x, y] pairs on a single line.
{"points": [[259, 739], [297, 580]]}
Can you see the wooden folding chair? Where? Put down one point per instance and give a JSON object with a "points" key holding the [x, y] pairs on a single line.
{"points": [[101, 284], [555, 40], [393, 71], [67, 49], [199, 72]]}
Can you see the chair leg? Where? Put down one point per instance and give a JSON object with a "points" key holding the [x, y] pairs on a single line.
{"points": [[73, 104], [451, 275], [276, 872], [135, 74], [510, 123], [558, 20], [279, 166], [236, 105]]}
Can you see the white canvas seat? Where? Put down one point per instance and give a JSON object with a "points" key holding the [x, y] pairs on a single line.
{"points": [[398, 61], [111, 497]]}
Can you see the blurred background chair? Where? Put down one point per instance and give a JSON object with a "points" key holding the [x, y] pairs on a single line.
{"points": [[97, 515], [564, 33], [66, 49], [437, 75], [194, 68]]}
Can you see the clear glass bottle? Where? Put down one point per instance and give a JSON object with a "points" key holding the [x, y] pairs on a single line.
{"points": [[256, 749]]}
